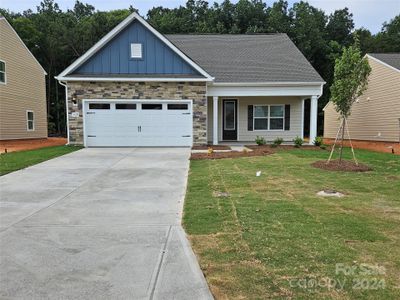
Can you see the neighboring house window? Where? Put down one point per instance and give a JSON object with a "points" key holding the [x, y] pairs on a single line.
{"points": [[268, 117], [2, 72], [30, 121], [136, 50]]}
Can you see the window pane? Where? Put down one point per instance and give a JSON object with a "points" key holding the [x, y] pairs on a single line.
{"points": [[125, 106], [229, 115], [30, 125], [2, 77], [261, 111], [178, 106], [276, 124], [277, 111], [152, 106], [2, 66], [99, 106], [30, 116], [261, 124]]}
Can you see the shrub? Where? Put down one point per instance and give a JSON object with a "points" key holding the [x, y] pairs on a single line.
{"points": [[298, 142], [277, 141], [318, 141], [260, 140]]}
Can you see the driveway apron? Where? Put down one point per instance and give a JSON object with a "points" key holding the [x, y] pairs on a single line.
{"points": [[99, 223]]}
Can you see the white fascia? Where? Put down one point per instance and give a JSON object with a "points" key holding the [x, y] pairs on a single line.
{"points": [[115, 31], [265, 89], [128, 79], [381, 62]]}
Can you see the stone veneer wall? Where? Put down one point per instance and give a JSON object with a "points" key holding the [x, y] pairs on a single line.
{"points": [[77, 91]]}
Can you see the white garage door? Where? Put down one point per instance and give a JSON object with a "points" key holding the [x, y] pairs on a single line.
{"points": [[136, 123]]}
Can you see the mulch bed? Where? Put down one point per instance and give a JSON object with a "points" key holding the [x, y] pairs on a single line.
{"points": [[214, 147], [284, 147], [233, 154], [344, 165]]}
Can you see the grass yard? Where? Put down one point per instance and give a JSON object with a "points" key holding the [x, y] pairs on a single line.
{"points": [[272, 237], [13, 161]]}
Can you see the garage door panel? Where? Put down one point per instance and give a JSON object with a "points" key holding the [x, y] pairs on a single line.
{"points": [[128, 124]]}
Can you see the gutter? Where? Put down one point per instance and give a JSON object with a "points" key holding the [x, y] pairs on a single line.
{"points": [[66, 106]]}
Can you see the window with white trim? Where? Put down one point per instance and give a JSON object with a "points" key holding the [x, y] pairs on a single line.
{"points": [[268, 117], [2, 72], [136, 50], [30, 121], [276, 117], [261, 117]]}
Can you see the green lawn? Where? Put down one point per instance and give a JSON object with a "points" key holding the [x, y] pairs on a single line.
{"points": [[13, 161], [272, 237]]}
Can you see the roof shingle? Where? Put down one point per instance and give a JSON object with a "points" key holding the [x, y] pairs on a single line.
{"points": [[392, 59], [247, 58]]}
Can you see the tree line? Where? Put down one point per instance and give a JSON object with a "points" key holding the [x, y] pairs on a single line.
{"points": [[58, 37]]}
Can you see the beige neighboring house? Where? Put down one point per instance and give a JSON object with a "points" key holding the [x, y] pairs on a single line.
{"points": [[23, 113], [375, 116]]}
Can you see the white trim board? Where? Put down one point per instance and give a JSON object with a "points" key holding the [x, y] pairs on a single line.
{"points": [[22, 42], [244, 90], [118, 29], [130, 79], [381, 62]]}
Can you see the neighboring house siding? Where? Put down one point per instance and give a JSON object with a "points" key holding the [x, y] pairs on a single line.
{"points": [[196, 91], [24, 89], [376, 115], [249, 136], [114, 58]]}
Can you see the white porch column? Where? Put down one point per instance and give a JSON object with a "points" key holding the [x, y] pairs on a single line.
{"points": [[215, 120], [302, 118], [313, 119]]}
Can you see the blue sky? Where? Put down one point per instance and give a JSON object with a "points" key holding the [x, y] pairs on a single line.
{"points": [[369, 14]]}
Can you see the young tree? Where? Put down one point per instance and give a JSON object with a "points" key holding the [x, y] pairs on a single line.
{"points": [[350, 81]]}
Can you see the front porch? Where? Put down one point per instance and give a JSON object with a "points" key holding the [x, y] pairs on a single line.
{"points": [[240, 119]]}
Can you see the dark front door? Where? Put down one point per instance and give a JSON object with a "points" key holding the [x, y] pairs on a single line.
{"points": [[229, 123]]}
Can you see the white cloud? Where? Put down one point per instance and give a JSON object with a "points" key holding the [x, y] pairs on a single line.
{"points": [[366, 13]]}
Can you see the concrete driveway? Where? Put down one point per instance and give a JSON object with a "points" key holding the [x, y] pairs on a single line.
{"points": [[98, 224]]}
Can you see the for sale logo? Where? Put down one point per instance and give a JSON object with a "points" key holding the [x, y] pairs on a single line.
{"points": [[363, 277]]}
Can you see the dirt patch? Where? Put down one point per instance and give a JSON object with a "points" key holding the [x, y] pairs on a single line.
{"points": [[232, 154], [378, 146], [30, 144], [214, 147], [344, 165]]}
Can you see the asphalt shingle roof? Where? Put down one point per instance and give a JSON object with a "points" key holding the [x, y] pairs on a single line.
{"points": [[247, 58], [392, 59]]}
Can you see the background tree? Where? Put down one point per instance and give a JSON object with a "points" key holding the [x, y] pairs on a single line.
{"points": [[57, 37], [350, 82]]}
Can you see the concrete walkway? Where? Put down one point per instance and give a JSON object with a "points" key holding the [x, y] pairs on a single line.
{"points": [[98, 224]]}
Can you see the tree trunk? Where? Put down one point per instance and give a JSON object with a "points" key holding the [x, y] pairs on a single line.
{"points": [[342, 142], [48, 92]]}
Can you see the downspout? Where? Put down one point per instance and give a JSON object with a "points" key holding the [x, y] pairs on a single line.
{"points": [[66, 108]]}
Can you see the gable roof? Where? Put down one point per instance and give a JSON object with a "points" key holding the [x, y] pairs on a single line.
{"points": [[3, 19], [108, 37], [389, 59], [248, 58]]}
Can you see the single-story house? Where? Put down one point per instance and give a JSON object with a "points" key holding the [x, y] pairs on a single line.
{"points": [[23, 111], [375, 116], [137, 87]]}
